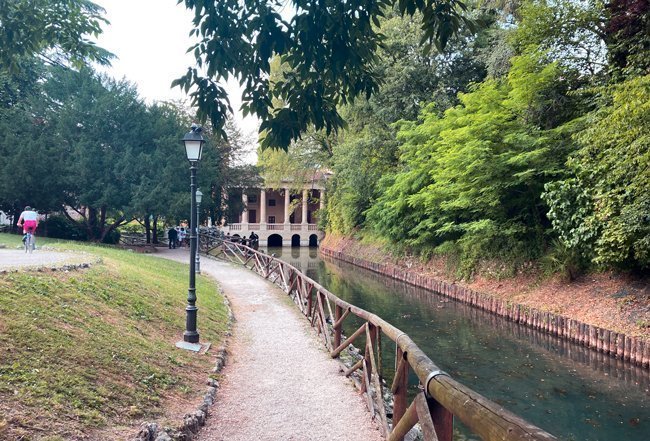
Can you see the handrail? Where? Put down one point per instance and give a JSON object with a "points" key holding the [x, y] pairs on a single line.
{"points": [[443, 397]]}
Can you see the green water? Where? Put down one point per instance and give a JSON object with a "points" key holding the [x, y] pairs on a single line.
{"points": [[572, 392]]}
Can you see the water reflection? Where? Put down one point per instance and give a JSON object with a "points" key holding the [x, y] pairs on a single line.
{"points": [[571, 391]]}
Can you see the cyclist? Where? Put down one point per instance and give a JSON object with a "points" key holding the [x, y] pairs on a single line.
{"points": [[29, 220]]}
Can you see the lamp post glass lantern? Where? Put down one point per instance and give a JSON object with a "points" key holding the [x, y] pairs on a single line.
{"points": [[199, 198], [193, 142]]}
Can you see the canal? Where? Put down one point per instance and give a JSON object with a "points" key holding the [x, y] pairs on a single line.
{"points": [[568, 390]]}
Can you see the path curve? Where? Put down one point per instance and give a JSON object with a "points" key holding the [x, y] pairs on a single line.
{"points": [[10, 259], [279, 382]]}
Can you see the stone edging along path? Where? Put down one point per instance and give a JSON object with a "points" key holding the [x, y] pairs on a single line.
{"points": [[192, 422], [632, 349]]}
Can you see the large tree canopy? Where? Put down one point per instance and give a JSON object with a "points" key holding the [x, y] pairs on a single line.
{"points": [[329, 46]]}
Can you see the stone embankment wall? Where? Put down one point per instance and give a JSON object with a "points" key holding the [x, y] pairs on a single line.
{"points": [[632, 349]]}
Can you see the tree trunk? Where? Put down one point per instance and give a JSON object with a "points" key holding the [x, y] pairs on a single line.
{"points": [[102, 220], [147, 227], [91, 225], [107, 231], [155, 230]]}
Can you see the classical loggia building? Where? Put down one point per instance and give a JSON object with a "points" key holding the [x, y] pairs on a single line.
{"points": [[283, 216]]}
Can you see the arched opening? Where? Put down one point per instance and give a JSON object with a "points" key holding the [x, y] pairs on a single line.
{"points": [[275, 240], [295, 240], [313, 240]]}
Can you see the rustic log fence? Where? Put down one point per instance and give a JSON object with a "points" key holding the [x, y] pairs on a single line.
{"points": [[442, 398], [618, 345]]}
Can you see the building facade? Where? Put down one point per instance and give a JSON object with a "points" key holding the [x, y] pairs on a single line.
{"points": [[281, 216]]}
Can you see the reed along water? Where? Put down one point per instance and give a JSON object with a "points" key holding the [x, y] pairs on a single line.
{"points": [[573, 392]]}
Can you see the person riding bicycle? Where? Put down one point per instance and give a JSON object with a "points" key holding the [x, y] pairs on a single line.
{"points": [[29, 221]]}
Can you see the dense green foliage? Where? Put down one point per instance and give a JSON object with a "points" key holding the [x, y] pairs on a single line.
{"points": [[369, 149], [602, 211], [472, 178], [529, 143], [89, 148]]}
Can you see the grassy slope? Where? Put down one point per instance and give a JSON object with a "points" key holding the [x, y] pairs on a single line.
{"points": [[95, 348]]}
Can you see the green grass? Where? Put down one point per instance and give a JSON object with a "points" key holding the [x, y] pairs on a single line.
{"points": [[95, 348]]}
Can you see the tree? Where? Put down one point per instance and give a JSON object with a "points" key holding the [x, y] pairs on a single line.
{"points": [[100, 123], [160, 172], [412, 78], [56, 30], [471, 180], [329, 45], [32, 162], [628, 30], [571, 32], [602, 209]]}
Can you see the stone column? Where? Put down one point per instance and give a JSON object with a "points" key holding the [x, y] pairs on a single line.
{"points": [[262, 209], [305, 203], [321, 200], [244, 213], [287, 202]]}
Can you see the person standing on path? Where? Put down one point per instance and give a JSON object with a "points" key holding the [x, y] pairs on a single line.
{"points": [[181, 237], [254, 240], [172, 236]]}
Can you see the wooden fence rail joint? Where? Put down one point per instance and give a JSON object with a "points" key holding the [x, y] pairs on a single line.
{"points": [[432, 376]]}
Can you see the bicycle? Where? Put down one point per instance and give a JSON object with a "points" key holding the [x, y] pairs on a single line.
{"points": [[29, 242]]}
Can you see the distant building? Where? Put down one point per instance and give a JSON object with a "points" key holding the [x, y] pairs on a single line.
{"points": [[282, 216], [4, 219]]}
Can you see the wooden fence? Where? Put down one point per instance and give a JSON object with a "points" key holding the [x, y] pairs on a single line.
{"points": [[442, 398]]}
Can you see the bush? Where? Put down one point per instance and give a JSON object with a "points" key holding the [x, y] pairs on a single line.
{"points": [[60, 227]]}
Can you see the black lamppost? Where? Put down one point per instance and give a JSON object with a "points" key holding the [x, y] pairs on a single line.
{"points": [[193, 148], [199, 198]]}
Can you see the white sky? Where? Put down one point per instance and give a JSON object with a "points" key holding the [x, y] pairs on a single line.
{"points": [[149, 38]]}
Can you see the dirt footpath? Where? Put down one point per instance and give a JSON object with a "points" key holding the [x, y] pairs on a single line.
{"points": [[279, 382]]}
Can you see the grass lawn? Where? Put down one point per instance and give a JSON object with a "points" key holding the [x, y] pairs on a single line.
{"points": [[89, 354]]}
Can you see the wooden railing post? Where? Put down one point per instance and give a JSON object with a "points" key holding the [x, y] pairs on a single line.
{"points": [[310, 304], [372, 336], [400, 387], [443, 420], [338, 313]]}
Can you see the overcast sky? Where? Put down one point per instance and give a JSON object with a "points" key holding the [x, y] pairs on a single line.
{"points": [[150, 38]]}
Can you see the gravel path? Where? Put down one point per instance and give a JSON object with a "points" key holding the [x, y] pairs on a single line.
{"points": [[279, 383], [19, 258]]}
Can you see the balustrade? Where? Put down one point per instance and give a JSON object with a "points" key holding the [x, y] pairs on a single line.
{"points": [[272, 227]]}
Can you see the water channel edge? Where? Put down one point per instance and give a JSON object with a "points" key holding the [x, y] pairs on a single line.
{"points": [[632, 349]]}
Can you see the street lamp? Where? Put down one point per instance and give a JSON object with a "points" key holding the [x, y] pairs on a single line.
{"points": [[199, 197], [193, 148]]}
